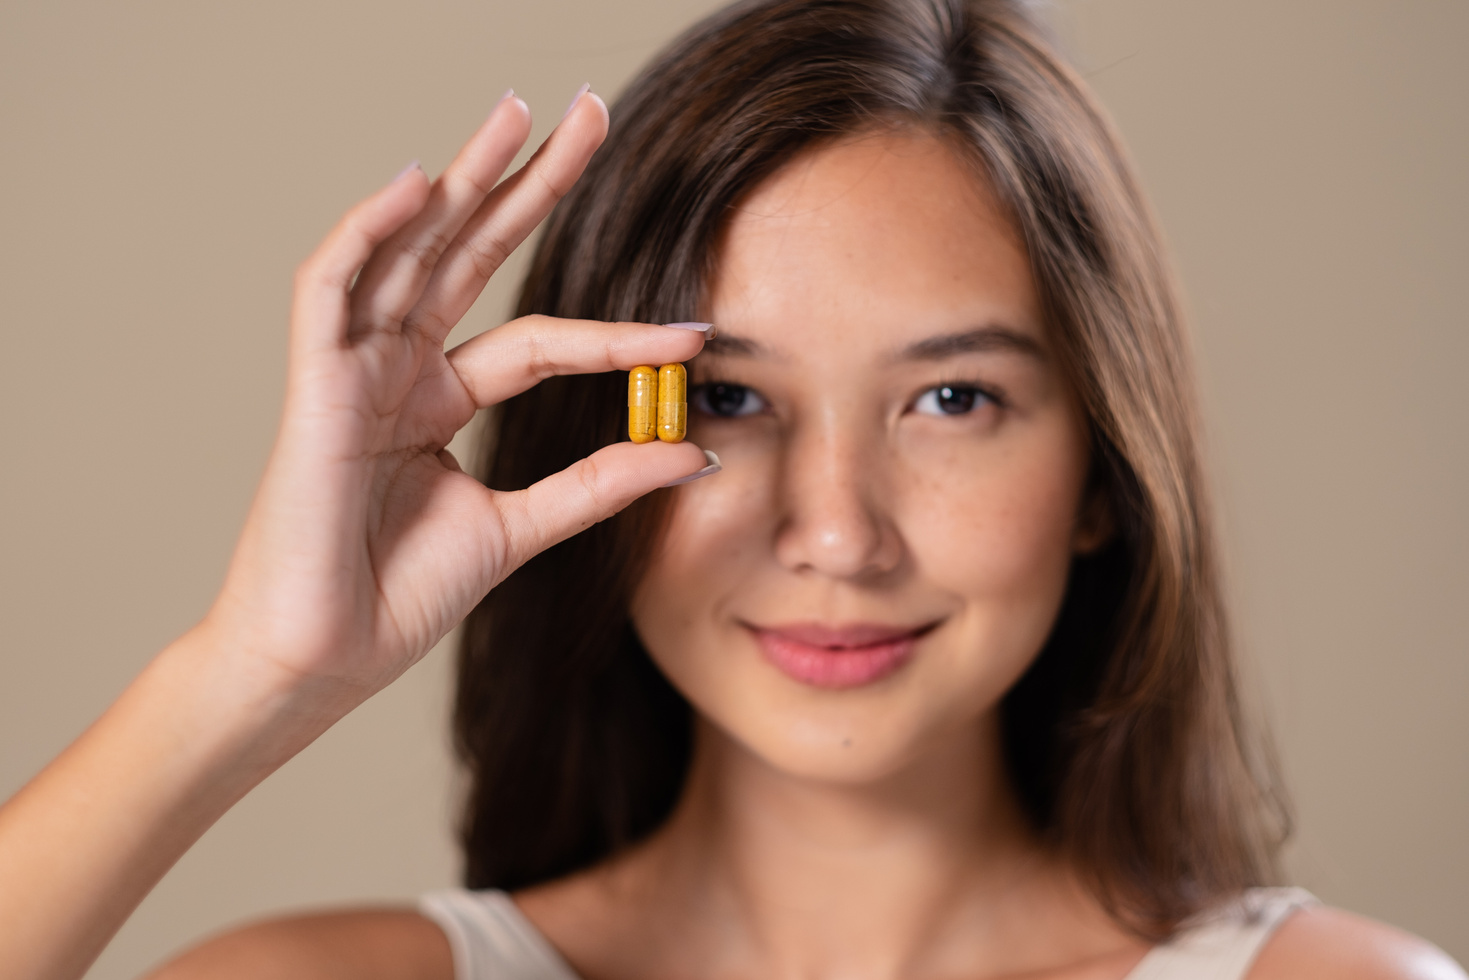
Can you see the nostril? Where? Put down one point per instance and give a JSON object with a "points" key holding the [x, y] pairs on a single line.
{"points": [[842, 539], [834, 520]]}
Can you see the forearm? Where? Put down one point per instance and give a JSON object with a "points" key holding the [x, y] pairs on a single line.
{"points": [[89, 837], [367, 542]]}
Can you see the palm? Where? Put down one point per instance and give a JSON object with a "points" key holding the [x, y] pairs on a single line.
{"points": [[431, 544], [367, 543]]}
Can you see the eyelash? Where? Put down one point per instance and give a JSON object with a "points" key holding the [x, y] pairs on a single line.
{"points": [[699, 396], [984, 392], [699, 399]]}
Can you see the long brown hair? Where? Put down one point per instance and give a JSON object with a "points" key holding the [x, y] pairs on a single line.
{"points": [[1124, 738]]}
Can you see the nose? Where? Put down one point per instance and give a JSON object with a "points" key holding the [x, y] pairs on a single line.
{"points": [[834, 520]]}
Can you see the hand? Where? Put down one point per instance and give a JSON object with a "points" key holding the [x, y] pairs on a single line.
{"points": [[366, 542]]}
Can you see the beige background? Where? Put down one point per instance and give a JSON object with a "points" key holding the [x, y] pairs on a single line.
{"points": [[165, 165]]}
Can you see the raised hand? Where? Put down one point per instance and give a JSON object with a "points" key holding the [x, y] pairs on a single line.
{"points": [[367, 543]]}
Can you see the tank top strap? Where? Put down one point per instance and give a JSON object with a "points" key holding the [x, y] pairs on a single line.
{"points": [[1222, 944], [491, 938]]}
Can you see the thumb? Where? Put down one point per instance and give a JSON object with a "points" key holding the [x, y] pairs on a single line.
{"points": [[592, 490]]}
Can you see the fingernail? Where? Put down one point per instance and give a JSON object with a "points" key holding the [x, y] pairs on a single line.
{"points": [[405, 172], [713, 467], [707, 329], [509, 93], [576, 98]]}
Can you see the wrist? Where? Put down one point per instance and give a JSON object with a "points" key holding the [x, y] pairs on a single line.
{"points": [[242, 709]]}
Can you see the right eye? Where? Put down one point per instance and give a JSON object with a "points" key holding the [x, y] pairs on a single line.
{"points": [[726, 400]]}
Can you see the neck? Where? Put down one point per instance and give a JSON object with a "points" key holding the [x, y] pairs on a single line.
{"points": [[908, 874], [938, 820]]}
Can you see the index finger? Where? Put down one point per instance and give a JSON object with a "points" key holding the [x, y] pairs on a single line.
{"points": [[509, 359]]}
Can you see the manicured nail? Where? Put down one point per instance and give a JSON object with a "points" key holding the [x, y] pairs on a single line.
{"points": [[713, 467], [405, 172], [707, 329], [576, 98]]}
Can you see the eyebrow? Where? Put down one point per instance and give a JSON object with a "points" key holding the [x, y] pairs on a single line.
{"points": [[723, 345], [978, 341]]}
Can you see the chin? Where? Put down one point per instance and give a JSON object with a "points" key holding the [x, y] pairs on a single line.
{"points": [[853, 736], [827, 757]]}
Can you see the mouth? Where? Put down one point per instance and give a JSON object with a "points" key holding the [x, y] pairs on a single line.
{"points": [[837, 657]]}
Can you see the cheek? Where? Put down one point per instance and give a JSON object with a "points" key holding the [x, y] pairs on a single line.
{"points": [[987, 531], [993, 532], [996, 527], [710, 552]]}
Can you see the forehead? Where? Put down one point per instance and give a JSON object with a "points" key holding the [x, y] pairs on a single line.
{"points": [[878, 239]]}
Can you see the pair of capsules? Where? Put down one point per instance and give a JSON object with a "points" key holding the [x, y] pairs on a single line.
{"points": [[658, 403]]}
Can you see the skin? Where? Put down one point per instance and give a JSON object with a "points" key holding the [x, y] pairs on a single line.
{"points": [[365, 542], [867, 832], [871, 832], [844, 833]]}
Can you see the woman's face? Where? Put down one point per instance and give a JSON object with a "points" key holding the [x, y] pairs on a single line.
{"points": [[888, 544]]}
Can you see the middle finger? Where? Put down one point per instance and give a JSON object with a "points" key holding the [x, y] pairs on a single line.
{"points": [[509, 214], [393, 279]]}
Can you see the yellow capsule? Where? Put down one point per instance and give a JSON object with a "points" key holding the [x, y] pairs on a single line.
{"points": [[642, 396], [673, 403]]}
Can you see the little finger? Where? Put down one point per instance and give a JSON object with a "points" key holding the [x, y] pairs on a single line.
{"points": [[320, 304]]}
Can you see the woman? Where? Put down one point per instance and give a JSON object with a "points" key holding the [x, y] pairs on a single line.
{"points": [[922, 674]]}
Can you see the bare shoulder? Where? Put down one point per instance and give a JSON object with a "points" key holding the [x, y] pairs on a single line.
{"points": [[364, 944], [1329, 944]]}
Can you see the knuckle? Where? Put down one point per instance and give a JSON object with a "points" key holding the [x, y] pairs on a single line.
{"points": [[487, 252], [509, 539], [537, 357], [308, 272], [427, 250], [314, 274], [474, 182], [530, 325], [553, 187], [590, 475]]}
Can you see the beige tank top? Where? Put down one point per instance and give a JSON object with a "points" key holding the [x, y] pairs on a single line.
{"points": [[492, 940]]}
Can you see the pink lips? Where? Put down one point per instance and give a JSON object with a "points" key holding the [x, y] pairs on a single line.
{"points": [[838, 657]]}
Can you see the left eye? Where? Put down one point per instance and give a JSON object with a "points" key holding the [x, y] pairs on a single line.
{"points": [[726, 400], [950, 400]]}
